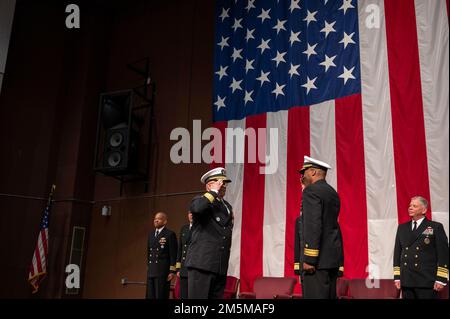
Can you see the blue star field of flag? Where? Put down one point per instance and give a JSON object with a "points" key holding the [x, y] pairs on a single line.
{"points": [[273, 55], [44, 221]]}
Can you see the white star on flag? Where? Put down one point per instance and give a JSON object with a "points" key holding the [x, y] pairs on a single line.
{"points": [[222, 72], [328, 28], [328, 62], [347, 74], [347, 39], [235, 85], [310, 17], [223, 43], [250, 5], [249, 34], [293, 70], [294, 5], [237, 24], [310, 51], [224, 14], [248, 97], [279, 58], [236, 54], [220, 102], [309, 85], [264, 45], [248, 65], [278, 90], [263, 77], [346, 4], [280, 25], [294, 37], [264, 15]]}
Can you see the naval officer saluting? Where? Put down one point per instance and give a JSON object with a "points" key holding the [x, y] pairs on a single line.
{"points": [[209, 251]]}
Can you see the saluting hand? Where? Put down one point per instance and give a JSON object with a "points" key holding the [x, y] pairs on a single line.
{"points": [[216, 185]]}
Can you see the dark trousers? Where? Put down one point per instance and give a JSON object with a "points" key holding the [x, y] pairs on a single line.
{"points": [[418, 293], [158, 288], [205, 285], [320, 285], [183, 287]]}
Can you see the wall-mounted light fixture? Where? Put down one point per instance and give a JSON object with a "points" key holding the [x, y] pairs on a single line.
{"points": [[106, 211]]}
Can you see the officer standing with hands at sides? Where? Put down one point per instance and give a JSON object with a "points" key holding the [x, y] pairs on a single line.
{"points": [[183, 246], [162, 255], [420, 254], [298, 226], [319, 249], [209, 251]]}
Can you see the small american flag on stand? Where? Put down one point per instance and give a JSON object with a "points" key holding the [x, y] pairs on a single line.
{"points": [[38, 267]]}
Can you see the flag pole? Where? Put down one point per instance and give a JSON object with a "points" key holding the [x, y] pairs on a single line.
{"points": [[50, 196]]}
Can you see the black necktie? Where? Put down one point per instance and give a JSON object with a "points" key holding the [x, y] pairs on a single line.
{"points": [[226, 207], [415, 226], [156, 233]]}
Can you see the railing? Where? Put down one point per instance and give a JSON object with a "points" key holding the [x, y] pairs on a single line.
{"points": [[125, 281]]}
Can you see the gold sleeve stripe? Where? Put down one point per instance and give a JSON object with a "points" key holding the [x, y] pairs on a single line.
{"points": [[396, 272], [172, 268], [296, 266], [209, 197], [442, 274], [311, 252], [178, 265], [341, 268], [443, 269]]}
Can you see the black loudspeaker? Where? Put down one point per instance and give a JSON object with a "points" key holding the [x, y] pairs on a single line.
{"points": [[120, 150], [117, 136]]}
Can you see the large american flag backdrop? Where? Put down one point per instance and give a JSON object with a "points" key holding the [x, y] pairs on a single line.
{"points": [[361, 85]]}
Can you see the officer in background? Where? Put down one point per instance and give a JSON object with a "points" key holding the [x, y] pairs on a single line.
{"points": [[298, 226], [319, 244], [162, 255], [209, 252], [183, 246], [420, 254]]}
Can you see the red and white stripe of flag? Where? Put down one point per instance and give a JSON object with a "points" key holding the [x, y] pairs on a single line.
{"points": [[38, 268]]}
